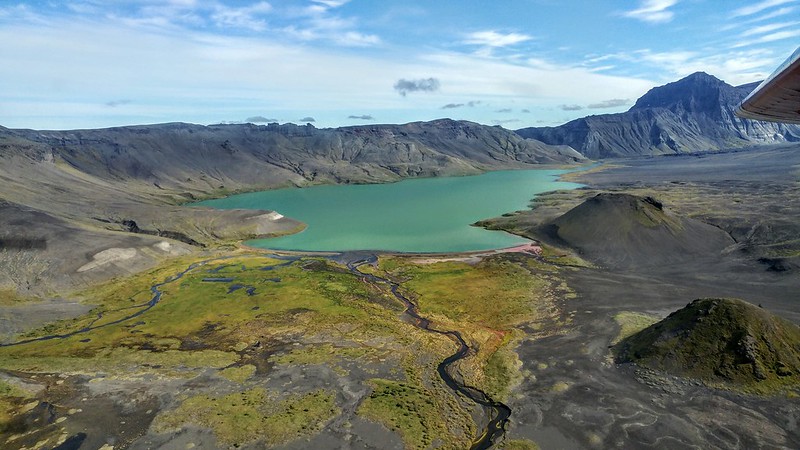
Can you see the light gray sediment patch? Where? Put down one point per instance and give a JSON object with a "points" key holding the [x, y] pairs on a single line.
{"points": [[17, 319]]}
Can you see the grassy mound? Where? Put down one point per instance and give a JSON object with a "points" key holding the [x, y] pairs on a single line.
{"points": [[624, 230], [724, 341]]}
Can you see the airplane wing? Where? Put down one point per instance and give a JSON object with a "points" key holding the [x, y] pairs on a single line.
{"points": [[777, 99]]}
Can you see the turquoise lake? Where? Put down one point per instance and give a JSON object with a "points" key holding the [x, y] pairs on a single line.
{"points": [[425, 215]]}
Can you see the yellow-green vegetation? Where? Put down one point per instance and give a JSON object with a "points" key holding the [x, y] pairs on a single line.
{"points": [[631, 322], [560, 386], [486, 302], [9, 297], [319, 354], [305, 312], [409, 410], [518, 444], [576, 176], [563, 257], [331, 315], [123, 361], [11, 396], [249, 416], [239, 374], [494, 294], [502, 368]]}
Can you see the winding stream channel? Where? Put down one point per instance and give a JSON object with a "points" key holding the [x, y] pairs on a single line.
{"points": [[497, 412]]}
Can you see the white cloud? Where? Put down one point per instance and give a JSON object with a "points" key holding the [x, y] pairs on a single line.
{"points": [[248, 17], [733, 67], [778, 36], [494, 39], [317, 23], [203, 78], [780, 12], [653, 11], [331, 3], [768, 28], [758, 7]]}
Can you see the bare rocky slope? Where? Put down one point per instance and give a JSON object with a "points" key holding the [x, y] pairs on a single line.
{"points": [[694, 114], [623, 230]]}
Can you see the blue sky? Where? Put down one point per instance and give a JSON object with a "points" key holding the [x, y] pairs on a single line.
{"points": [[515, 63]]}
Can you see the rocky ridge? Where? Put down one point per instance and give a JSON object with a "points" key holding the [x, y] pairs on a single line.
{"points": [[691, 115]]}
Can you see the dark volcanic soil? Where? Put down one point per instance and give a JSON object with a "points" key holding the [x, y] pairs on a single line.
{"points": [[574, 396]]}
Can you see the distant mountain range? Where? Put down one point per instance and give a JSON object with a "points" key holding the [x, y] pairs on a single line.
{"points": [[117, 192], [694, 114], [245, 156], [65, 190]]}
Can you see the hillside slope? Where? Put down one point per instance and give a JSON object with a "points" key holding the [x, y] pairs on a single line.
{"points": [[623, 230], [720, 340], [70, 188], [694, 114], [173, 163]]}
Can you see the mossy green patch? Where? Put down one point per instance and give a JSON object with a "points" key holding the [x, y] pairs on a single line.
{"points": [[250, 416], [562, 257], [409, 410], [318, 354], [239, 374], [721, 341], [631, 322], [11, 396], [332, 315], [518, 444], [122, 361], [493, 293], [487, 302], [9, 297], [502, 369]]}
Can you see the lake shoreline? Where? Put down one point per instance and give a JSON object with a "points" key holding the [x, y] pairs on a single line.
{"points": [[414, 216], [531, 247]]}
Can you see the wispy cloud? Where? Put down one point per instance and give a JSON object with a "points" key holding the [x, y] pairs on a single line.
{"points": [[768, 28], [780, 12], [307, 119], [115, 103], [470, 104], [248, 17], [204, 73], [362, 117], [734, 67], [260, 119], [758, 7], [404, 86], [653, 11], [320, 22], [331, 3], [570, 107], [772, 37], [505, 121], [494, 39], [610, 103], [504, 110]]}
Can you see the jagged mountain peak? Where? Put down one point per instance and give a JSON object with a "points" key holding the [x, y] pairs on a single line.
{"points": [[698, 91], [692, 115]]}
